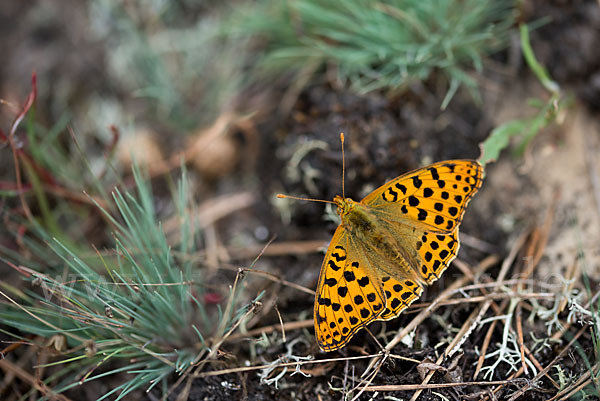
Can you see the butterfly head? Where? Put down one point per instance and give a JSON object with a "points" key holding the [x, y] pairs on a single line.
{"points": [[344, 205]]}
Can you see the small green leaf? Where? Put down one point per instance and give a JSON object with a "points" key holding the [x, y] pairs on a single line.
{"points": [[499, 140]]}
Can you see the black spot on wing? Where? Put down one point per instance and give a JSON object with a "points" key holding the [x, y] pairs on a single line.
{"points": [[434, 173], [401, 188], [363, 282], [330, 282], [390, 195], [333, 266]]}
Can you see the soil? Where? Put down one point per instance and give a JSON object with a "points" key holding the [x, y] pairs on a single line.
{"points": [[555, 181]]}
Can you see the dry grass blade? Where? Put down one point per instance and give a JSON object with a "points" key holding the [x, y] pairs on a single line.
{"points": [[476, 243], [281, 365], [468, 328], [367, 381], [46, 323], [507, 263], [34, 382], [539, 240], [276, 249], [281, 324], [272, 277], [520, 343], [270, 329], [420, 387], [211, 211], [14, 145], [279, 249]]}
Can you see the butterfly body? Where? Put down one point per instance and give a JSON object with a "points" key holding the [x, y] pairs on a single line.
{"points": [[399, 238], [365, 225]]}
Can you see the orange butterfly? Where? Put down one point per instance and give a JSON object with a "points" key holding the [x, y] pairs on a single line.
{"points": [[401, 236]]}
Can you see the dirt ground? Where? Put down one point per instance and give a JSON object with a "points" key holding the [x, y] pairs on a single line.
{"points": [[552, 191]]}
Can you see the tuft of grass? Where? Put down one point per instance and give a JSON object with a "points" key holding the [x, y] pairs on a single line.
{"points": [[383, 45], [137, 309]]}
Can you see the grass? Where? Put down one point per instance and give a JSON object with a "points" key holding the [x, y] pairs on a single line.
{"points": [[137, 309], [380, 45]]}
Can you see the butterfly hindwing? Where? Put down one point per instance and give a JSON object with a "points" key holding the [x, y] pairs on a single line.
{"points": [[432, 198], [349, 295], [436, 252], [399, 294]]}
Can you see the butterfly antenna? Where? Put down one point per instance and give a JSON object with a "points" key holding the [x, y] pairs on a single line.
{"points": [[343, 166], [282, 196]]}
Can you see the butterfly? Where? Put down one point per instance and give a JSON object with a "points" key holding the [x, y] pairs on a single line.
{"points": [[400, 237]]}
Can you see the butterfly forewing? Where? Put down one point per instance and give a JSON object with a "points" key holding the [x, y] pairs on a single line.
{"points": [[348, 296], [432, 198]]}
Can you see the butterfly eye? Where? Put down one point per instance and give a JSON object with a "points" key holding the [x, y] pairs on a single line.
{"points": [[339, 211]]}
